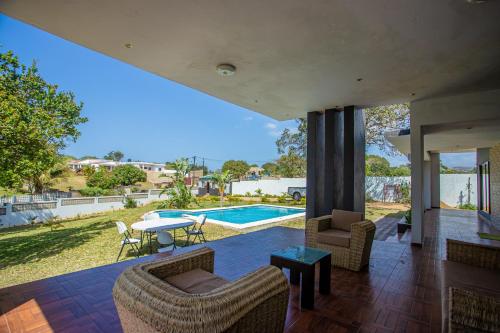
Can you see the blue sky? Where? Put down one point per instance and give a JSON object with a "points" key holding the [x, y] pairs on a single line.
{"points": [[143, 115]]}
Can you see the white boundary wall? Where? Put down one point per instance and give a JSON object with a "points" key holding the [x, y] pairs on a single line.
{"points": [[23, 213], [452, 188]]}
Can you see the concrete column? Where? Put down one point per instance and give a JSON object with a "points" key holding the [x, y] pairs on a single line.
{"points": [[435, 180], [427, 185], [335, 161], [417, 183], [354, 159]]}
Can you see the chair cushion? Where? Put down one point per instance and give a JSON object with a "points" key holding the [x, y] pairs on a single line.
{"points": [[196, 281], [335, 237], [342, 219], [467, 277]]}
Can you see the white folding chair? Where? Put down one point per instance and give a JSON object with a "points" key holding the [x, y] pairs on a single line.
{"points": [[127, 239], [197, 233]]}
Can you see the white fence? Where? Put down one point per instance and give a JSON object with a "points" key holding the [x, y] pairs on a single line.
{"points": [[23, 213], [453, 187]]}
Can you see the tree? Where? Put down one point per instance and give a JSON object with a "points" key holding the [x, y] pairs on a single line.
{"points": [[221, 179], [270, 168], [378, 120], [126, 175], [237, 168], [88, 157], [291, 165], [294, 141], [102, 178], [179, 196], [378, 166], [114, 156], [37, 121]]}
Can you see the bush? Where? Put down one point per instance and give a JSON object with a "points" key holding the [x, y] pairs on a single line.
{"points": [[93, 192], [102, 178], [248, 194], [467, 206], [130, 203], [126, 175], [258, 192], [264, 199]]}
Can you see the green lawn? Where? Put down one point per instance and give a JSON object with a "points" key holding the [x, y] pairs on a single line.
{"points": [[35, 252]]}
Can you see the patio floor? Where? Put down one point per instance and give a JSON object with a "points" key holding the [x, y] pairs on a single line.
{"points": [[399, 291]]}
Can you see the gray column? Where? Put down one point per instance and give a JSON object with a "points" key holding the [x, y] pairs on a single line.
{"points": [[427, 185], [417, 182], [335, 161], [435, 180], [354, 159]]}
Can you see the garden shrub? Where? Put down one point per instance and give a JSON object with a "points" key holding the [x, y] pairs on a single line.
{"points": [[94, 192], [467, 206], [130, 203]]}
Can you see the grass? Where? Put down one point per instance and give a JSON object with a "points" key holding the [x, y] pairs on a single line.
{"points": [[36, 252]]}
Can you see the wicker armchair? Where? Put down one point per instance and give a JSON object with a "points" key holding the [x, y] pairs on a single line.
{"points": [[470, 293], [345, 234], [147, 302]]}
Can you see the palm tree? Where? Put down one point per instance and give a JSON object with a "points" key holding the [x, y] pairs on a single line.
{"points": [[221, 179]]}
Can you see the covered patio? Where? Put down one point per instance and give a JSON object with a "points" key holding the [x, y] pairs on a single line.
{"points": [[400, 291]]}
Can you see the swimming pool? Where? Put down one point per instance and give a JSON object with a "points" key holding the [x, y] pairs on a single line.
{"points": [[241, 216]]}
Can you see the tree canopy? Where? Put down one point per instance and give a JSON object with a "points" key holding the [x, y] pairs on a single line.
{"points": [[377, 121], [114, 155], [270, 168], [378, 166], [38, 121], [126, 175], [291, 165], [237, 168]]}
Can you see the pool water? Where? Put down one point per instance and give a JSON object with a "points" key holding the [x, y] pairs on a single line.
{"points": [[240, 215]]}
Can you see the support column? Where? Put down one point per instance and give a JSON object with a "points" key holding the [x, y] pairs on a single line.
{"points": [[417, 182], [335, 161], [427, 185], [435, 180], [354, 159]]}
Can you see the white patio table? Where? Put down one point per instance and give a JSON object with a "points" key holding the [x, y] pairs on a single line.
{"points": [[154, 225]]}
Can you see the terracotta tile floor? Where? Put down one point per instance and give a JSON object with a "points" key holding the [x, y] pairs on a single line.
{"points": [[399, 291]]}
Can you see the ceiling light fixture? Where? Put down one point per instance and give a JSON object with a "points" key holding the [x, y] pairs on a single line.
{"points": [[474, 2], [226, 69]]}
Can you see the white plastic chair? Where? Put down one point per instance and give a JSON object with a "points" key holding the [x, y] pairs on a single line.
{"points": [[197, 233], [165, 240], [127, 239]]}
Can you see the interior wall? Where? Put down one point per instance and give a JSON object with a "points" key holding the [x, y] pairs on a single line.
{"points": [[495, 182]]}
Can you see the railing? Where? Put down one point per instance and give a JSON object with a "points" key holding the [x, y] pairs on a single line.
{"points": [[25, 198], [78, 201], [138, 196], [21, 207], [110, 199]]}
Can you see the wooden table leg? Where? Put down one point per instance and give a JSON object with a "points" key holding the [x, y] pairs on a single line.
{"points": [[294, 276], [307, 288], [325, 266]]}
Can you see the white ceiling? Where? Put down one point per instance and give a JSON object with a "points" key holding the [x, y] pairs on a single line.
{"points": [[454, 140], [291, 56]]}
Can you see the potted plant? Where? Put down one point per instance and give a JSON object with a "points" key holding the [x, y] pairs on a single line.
{"points": [[405, 222]]}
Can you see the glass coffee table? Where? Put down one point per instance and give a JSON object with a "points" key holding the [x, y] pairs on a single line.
{"points": [[302, 260]]}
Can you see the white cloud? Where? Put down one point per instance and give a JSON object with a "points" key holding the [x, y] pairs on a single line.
{"points": [[271, 126], [248, 118]]}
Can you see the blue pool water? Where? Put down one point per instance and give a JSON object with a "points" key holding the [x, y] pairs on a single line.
{"points": [[240, 215]]}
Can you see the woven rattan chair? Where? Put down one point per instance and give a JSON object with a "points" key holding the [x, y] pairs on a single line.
{"points": [[345, 234], [470, 290], [148, 298]]}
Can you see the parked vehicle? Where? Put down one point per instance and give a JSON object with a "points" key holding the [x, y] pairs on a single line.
{"points": [[297, 193]]}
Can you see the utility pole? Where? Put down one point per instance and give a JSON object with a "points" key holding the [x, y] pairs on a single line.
{"points": [[194, 161], [203, 166]]}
